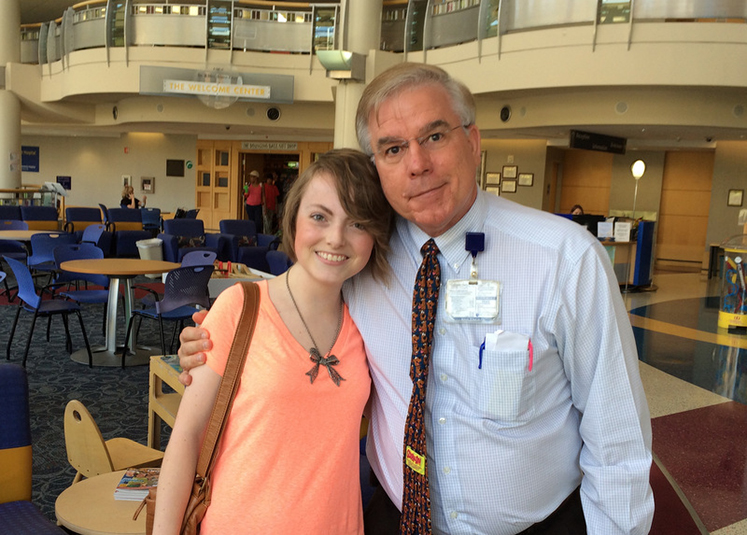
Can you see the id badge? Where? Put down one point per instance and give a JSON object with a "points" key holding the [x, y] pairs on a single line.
{"points": [[473, 301]]}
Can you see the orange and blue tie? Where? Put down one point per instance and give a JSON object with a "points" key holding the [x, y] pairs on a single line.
{"points": [[416, 498]]}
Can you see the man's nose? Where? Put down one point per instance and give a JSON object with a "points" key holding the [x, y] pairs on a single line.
{"points": [[417, 158]]}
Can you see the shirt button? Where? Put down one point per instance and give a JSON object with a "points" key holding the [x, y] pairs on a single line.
{"points": [[447, 470], [456, 266], [442, 331], [454, 514], [444, 377], [442, 420]]}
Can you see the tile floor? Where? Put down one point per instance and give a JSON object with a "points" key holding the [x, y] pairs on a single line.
{"points": [[695, 377]]}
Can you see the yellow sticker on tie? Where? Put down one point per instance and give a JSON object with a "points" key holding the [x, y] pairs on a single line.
{"points": [[415, 461]]}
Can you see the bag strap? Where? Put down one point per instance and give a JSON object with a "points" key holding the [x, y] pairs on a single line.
{"points": [[230, 382]]}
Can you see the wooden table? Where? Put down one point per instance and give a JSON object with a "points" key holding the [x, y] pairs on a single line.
{"points": [[162, 406], [89, 508], [117, 269], [22, 235]]}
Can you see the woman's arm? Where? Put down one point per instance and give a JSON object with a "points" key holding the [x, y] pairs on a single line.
{"points": [[180, 461]]}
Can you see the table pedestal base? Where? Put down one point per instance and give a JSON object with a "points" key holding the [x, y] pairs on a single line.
{"points": [[104, 357]]}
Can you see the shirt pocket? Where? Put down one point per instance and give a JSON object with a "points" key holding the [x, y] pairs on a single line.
{"points": [[504, 387]]}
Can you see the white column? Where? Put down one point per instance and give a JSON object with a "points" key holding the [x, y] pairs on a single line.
{"points": [[10, 106], [363, 34]]}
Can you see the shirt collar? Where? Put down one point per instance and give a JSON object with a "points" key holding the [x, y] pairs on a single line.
{"points": [[450, 243]]}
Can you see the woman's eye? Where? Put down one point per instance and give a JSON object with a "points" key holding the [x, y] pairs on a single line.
{"points": [[359, 226], [317, 217]]}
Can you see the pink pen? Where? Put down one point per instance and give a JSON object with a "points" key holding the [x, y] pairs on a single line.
{"points": [[531, 354]]}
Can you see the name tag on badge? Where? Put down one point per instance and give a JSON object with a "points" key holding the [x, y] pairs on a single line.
{"points": [[475, 300]]}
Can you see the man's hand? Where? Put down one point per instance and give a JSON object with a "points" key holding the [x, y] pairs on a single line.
{"points": [[194, 342]]}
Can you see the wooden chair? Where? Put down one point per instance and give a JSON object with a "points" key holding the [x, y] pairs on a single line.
{"points": [[91, 455]]}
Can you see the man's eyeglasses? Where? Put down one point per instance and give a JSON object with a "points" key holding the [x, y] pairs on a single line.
{"points": [[394, 150]]}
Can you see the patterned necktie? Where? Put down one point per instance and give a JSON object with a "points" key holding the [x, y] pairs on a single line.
{"points": [[416, 499]]}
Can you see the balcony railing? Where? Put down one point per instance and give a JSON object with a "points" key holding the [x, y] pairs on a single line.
{"points": [[301, 28]]}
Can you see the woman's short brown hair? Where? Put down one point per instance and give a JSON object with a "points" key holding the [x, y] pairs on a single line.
{"points": [[359, 190]]}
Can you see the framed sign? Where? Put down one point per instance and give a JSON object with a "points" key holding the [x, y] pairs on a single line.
{"points": [[526, 179], [508, 186], [510, 171], [736, 196], [481, 179], [492, 179], [147, 184]]}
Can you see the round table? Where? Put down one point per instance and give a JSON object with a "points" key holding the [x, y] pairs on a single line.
{"points": [[88, 507], [117, 269], [23, 235]]}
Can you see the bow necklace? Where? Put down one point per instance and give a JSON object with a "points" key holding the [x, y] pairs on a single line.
{"points": [[316, 357]]}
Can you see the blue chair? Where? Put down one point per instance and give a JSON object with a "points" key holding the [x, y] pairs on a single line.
{"points": [[104, 213], [10, 211], [42, 251], [184, 289], [192, 214], [13, 224], [126, 226], [86, 296], [33, 303], [181, 236], [199, 258], [12, 248], [40, 217], [192, 258], [17, 514], [98, 236], [278, 261], [78, 218], [151, 220], [245, 245]]}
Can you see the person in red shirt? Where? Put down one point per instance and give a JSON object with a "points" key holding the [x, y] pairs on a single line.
{"points": [[271, 193]]}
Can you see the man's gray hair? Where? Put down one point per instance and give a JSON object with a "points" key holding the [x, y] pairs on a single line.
{"points": [[405, 76]]}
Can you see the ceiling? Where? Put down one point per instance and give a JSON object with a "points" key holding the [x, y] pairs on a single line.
{"points": [[43, 10], [639, 136]]}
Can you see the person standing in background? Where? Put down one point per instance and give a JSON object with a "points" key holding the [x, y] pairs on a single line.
{"points": [[253, 200], [271, 194]]}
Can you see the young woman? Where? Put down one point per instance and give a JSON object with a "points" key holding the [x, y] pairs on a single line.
{"points": [[289, 460], [129, 200]]}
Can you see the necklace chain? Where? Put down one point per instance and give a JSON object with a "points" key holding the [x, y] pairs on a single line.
{"points": [[330, 360]]}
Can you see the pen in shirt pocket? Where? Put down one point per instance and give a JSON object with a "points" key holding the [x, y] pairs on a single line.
{"points": [[493, 340]]}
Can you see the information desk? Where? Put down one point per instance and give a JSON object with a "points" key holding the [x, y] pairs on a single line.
{"points": [[162, 406], [89, 508], [117, 269]]}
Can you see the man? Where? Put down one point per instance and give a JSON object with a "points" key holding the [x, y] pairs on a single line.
{"points": [[524, 405]]}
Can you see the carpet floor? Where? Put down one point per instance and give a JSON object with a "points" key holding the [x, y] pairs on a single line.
{"points": [[117, 398]]}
